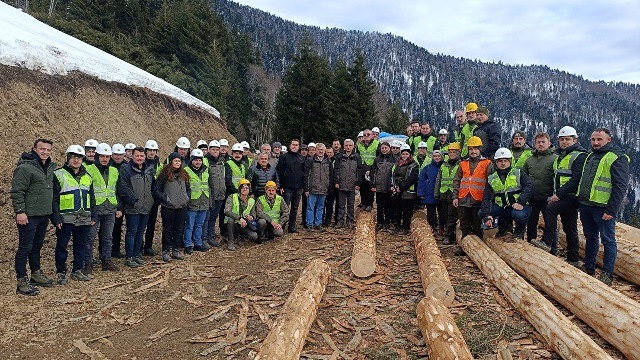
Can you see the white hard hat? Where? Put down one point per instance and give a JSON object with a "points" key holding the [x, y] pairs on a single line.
{"points": [[376, 130], [201, 142], [118, 149], [567, 131], [503, 153], [75, 149], [91, 143], [237, 147], [245, 145], [196, 153], [214, 143], [396, 143], [224, 142], [361, 134], [405, 147], [104, 149], [312, 144], [130, 146], [183, 143], [151, 145], [443, 132], [284, 148], [422, 145]]}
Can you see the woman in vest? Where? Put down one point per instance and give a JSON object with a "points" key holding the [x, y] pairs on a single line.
{"points": [[240, 214], [199, 201], [172, 190], [404, 178], [443, 191], [426, 186]]}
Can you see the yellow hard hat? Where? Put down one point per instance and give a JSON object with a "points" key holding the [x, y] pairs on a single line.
{"points": [[454, 146], [471, 107], [474, 141], [243, 181], [270, 183]]}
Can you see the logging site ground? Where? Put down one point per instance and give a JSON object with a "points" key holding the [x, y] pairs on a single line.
{"points": [[220, 305]]}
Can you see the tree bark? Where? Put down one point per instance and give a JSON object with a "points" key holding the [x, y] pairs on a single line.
{"points": [[440, 331], [611, 314], [565, 338], [433, 272], [363, 257], [286, 339]]}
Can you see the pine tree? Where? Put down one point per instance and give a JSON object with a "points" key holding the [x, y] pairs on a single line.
{"points": [[342, 95], [396, 119], [363, 89]]}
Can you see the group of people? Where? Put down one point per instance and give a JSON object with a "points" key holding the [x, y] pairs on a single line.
{"points": [[257, 195]]}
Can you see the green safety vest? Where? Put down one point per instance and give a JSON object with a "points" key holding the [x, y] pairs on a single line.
{"points": [[104, 192], [431, 142], [506, 193], [368, 154], [465, 134], [235, 207], [74, 196], [237, 172], [205, 161], [273, 212], [199, 184], [562, 169], [601, 187], [446, 177], [427, 161], [519, 162]]}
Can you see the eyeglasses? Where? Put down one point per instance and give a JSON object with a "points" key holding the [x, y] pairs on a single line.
{"points": [[458, 116]]}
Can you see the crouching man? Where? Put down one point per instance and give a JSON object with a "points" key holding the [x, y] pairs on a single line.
{"points": [[272, 212], [240, 214]]}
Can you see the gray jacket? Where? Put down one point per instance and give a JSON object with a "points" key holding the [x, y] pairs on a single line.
{"points": [[135, 188], [216, 178], [381, 172], [260, 176], [348, 171], [318, 175], [173, 194]]}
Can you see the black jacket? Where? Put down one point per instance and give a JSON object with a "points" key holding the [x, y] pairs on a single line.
{"points": [[525, 195], [348, 171], [260, 177], [491, 135], [290, 170], [135, 188]]}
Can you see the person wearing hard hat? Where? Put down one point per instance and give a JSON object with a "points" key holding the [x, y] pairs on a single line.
{"points": [[425, 135], [376, 132], [519, 148], [153, 161], [488, 131], [247, 156], [204, 146], [539, 167], [73, 202], [467, 130], [312, 149], [381, 185], [567, 169], [118, 153], [426, 186], [218, 191], [261, 173], [89, 151], [443, 142], [198, 204], [421, 157], [183, 147], [172, 190], [235, 169], [107, 209], [224, 149], [290, 171], [318, 181], [135, 190], [404, 178], [601, 193], [304, 150], [368, 149], [469, 183], [272, 212], [348, 174], [505, 197], [395, 148], [240, 214], [118, 159], [443, 191], [128, 149], [32, 197], [360, 137]]}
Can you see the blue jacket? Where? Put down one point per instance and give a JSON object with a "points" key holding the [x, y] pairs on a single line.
{"points": [[427, 183]]}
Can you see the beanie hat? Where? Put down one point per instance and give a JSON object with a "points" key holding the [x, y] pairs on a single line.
{"points": [[174, 155], [519, 133], [277, 144], [483, 110], [436, 152]]}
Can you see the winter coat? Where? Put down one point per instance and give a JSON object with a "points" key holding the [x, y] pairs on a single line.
{"points": [[406, 178], [427, 183], [526, 193], [491, 135], [135, 188], [468, 201], [79, 218], [571, 187], [348, 171], [32, 185], [174, 194], [318, 175], [284, 211], [381, 172], [216, 178], [539, 167], [203, 202], [290, 170], [260, 176]]}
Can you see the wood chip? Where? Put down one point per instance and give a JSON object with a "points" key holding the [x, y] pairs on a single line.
{"points": [[192, 301], [243, 318], [264, 316], [93, 354]]}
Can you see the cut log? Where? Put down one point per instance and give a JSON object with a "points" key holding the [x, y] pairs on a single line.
{"points": [[286, 339], [565, 338], [363, 257], [628, 255], [433, 271], [610, 313], [440, 331]]}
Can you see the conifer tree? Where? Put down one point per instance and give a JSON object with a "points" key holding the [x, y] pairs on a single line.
{"points": [[396, 119]]}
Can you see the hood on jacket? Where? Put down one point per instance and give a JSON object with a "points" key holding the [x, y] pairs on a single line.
{"points": [[32, 157]]}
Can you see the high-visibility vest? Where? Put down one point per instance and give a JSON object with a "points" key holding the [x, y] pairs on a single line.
{"points": [[446, 177], [235, 207], [237, 172], [74, 196], [508, 192], [368, 154], [205, 161], [465, 133], [273, 212], [431, 142], [427, 161], [562, 169], [519, 162], [101, 190], [199, 184], [473, 183], [601, 186]]}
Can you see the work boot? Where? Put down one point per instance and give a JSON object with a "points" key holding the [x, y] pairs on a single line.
{"points": [[213, 243], [575, 264], [202, 248], [177, 254], [368, 208], [447, 241], [378, 227], [38, 278], [588, 272], [293, 230], [108, 265], [95, 262], [117, 255], [540, 244], [140, 260], [166, 256], [459, 252], [62, 278], [24, 287], [606, 278], [339, 225], [131, 262], [88, 269], [150, 252], [501, 233], [231, 244], [188, 250], [78, 275]]}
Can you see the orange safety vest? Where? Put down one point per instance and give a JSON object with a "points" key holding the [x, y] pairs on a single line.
{"points": [[473, 183]]}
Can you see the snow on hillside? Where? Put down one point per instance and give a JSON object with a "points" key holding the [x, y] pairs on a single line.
{"points": [[29, 43]]}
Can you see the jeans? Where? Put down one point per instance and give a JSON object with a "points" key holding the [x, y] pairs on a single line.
{"points": [[315, 208], [506, 217], [567, 208], [173, 227], [30, 241], [384, 210], [292, 198], [193, 227], [136, 224], [151, 226], [592, 226], [214, 212], [104, 223], [346, 200], [80, 236]]}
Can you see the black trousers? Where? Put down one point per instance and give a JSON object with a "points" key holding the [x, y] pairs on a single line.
{"points": [[331, 207], [151, 226], [403, 210], [384, 208], [117, 235], [172, 227], [292, 198], [452, 219], [346, 202], [537, 207], [304, 210], [437, 216], [30, 241], [567, 208], [470, 222], [366, 195]]}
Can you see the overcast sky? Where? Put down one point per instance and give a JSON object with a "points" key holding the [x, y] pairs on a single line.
{"points": [[598, 39]]}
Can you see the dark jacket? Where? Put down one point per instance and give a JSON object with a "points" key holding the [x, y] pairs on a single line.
{"points": [[489, 195], [79, 218], [290, 170], [318, 175], [571, 186], [491, 135], [468, 201], [427, 182], [217, 184], [539, 167], [174, 194], [284, 210], [134, 188], [619, 178], [347, 171], [406, 178], [260, 176], [381, 172], [32, 185]]}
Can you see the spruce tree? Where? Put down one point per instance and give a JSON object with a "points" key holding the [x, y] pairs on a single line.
{"points": [[363, 89], [396, 119]]}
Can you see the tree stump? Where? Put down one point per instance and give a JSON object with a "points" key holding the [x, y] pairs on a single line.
{"points": [[565, 338], [363, 257], [610, 313], [288, 334], [440, 332]]}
